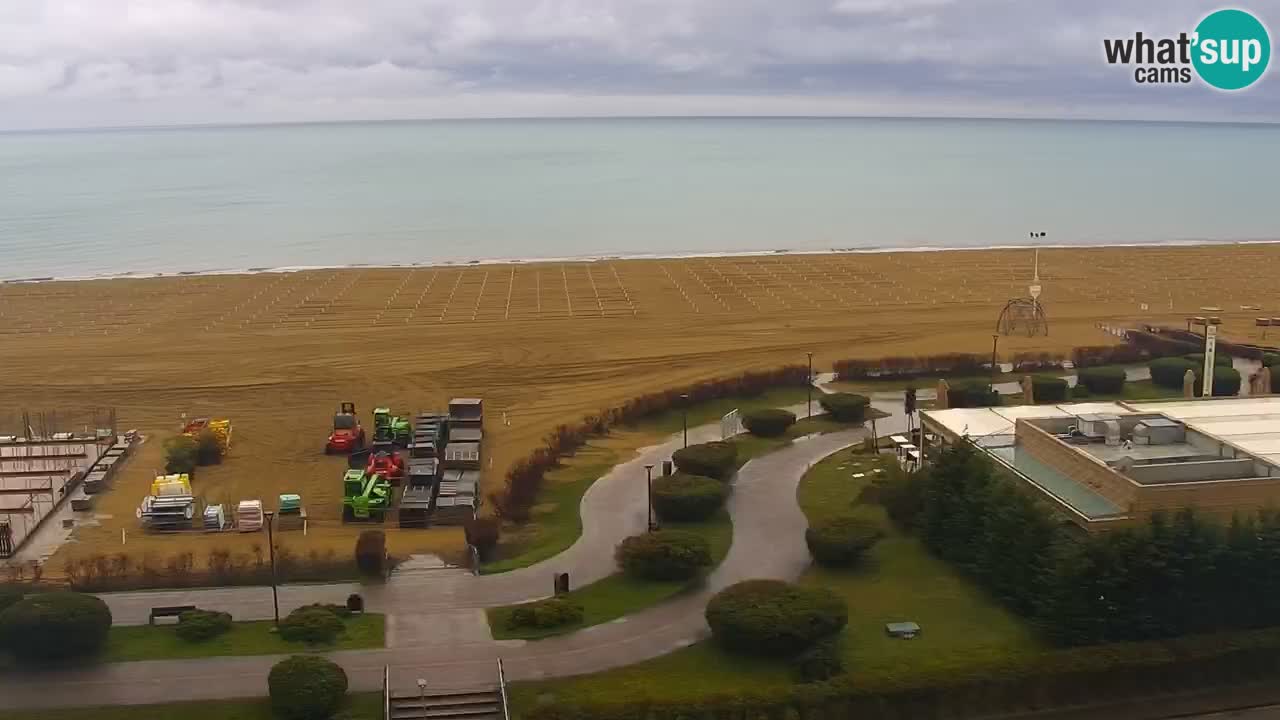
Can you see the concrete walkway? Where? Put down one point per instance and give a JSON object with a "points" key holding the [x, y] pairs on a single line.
{"points": [[436, 628]]}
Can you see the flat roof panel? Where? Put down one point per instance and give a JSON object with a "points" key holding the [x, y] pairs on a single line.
{"points": [[974, 422]]}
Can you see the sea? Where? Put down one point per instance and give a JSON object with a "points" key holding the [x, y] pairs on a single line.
{"points": [[100, 203]]}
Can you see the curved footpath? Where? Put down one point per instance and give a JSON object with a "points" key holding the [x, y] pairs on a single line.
{"points": [[436, 627]]}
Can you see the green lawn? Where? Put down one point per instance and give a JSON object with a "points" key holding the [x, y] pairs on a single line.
{"points": [[711, 411], [360, 706], [961, 626], [556, 523], [619, 595], [161, 642]]}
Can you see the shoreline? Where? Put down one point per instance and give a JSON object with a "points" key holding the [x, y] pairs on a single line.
{"points": [[876, 250]]}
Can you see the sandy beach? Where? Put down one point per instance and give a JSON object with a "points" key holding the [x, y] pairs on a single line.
{"points": [[542, 342]]}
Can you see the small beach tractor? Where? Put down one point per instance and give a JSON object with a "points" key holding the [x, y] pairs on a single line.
{"points": [[347, 435], [388, 465], [364, 496], [389, 430]]}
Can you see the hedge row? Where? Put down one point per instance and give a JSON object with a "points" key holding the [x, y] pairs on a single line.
{"points": [[1169, 372], [1045, 389], [845, 407], [716, 459], [972, 394], [909, 367], [1089, 675], [1102, 380], [664, 555], [524, 479], [544, 614]]}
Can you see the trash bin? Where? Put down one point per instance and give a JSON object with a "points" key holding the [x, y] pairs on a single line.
{"points": [[666, 468], [355, 603], [562, 583]]}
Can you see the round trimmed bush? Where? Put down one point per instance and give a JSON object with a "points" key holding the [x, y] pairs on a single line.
{"points": [[311, 624], [550, 613], [201, 625], [664, 555], [773, 618], [1270, 359], [821, 662], [1048, 389], [842, 540], [845, 407], [972, 394], [1080, 392], [306, 687], [1168, 372], [1226, 381], [768, 422], [1219, 359], [1101, 380], [714, 459], [55, 626], [687, 498]]}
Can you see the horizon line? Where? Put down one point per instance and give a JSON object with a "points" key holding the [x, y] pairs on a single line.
{"points": [[580, 118]]}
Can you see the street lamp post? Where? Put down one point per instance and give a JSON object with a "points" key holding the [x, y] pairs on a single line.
{"points": [[648, 481], [995, 341], [271, 547], [684, 406], [808, 388]]}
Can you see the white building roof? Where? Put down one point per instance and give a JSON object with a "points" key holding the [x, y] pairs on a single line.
{"points": [[977, 422], [1252, 424]]}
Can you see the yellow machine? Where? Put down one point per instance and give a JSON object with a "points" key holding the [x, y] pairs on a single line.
{"points": [[221, 429], [171, 485]]}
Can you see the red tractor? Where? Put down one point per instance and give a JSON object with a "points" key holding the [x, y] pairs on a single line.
{"points": [[387, 464], [347, 435]]}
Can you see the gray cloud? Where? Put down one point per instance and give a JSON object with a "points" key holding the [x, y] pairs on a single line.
{"points": [[125, 62]]}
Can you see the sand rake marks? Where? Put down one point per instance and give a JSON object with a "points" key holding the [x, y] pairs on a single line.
{"points": [[678, 287], [622, 288]]}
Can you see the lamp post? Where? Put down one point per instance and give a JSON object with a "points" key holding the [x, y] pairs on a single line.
{"points": [[648, 482], [269, 515], [684, 406], [422, 693], [808, 388], [995, 341]]}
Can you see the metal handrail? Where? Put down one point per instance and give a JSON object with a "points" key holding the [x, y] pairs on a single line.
{"points": [[502, 689]]}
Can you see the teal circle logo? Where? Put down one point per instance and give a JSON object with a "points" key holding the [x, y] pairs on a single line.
{"points": [[1232, 49]]}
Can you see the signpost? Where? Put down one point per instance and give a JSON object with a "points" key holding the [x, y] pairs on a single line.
{"points": [[1210, 342]]}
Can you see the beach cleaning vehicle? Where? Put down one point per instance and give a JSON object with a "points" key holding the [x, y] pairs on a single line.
{"points": [[388, 464], [365, 496], [348, 434], [389, 430]]}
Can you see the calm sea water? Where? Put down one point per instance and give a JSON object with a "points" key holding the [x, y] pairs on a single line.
{"points": [[169, 200]]}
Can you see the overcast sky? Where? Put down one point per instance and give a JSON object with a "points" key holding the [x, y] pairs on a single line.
{"points": [[77, 63]]}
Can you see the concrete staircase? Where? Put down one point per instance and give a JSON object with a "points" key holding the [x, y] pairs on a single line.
{"points": [[460, 705]]}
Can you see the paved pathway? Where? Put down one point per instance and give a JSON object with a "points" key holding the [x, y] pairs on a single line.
{"points": [[436, 624]]}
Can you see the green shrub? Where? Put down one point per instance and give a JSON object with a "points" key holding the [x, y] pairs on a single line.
{"points": [[1226, 381], [714, 459], [664, 555], [845, 407], [1220, 359], [311, 624], [550, 613], [180, 454], [821, 662], [1168, 372], [208, 451], [371, 553], [342, 610], [306, 687], [1270, 359], [768, 422], [1080, 392], [1101, 380], [55, 626], [687, 498], [842, 540], [200, 625], [1047, 389], [773, 618], [972, 394]]}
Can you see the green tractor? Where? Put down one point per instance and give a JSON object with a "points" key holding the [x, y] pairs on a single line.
{"points": [[365, 496], [389, 430]]}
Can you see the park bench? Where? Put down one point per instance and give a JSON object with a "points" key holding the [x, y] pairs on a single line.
{"points": [[168, 611]]}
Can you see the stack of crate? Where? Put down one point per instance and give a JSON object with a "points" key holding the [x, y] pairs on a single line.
{"points": [[458, 496]]}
